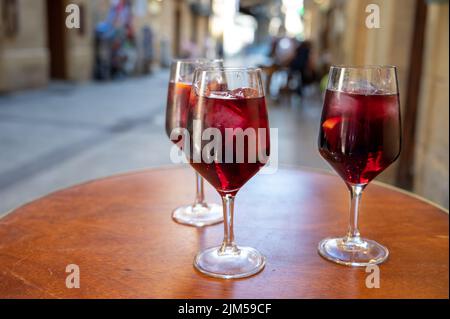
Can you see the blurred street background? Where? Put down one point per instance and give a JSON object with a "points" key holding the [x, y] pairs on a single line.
{"points": [[79, 104]]}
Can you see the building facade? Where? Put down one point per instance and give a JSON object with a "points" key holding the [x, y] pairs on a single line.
{"points": [[36, 45], [412, 35]]}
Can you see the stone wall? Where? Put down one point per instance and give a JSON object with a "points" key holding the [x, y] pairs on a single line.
{"points": [[80, 46], [24, 57], [432, 153], [392, 44]]}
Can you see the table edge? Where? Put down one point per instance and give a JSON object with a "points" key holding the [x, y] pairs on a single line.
{"points": [[171, 166]]}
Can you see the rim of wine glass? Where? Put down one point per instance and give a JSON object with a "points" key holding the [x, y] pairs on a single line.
{"points": [[228, 69], [196, 60], [225, 69], [367, 68], [363, 67]]}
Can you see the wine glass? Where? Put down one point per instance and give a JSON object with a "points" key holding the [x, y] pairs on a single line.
{"points": [[200, 213], [230, 143], [360, 136]]}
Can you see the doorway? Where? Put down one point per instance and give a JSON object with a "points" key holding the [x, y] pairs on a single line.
{"points": [[56, 38]]}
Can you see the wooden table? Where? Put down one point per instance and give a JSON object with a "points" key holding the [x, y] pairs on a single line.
{"points": [[119, 232]]}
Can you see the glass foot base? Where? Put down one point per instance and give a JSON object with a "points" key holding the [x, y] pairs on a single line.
{"points": [[198, 215], [358, 252], [239, 262]]}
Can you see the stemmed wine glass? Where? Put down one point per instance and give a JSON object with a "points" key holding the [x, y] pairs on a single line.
{"points": [[360, 136], [230, 143], [200, 213]]}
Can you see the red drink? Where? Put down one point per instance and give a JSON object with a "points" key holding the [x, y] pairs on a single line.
{"points": [[240, 108], [360, 134], [177, 106]]}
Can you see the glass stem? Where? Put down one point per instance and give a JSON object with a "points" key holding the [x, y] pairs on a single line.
{"points": [[353, 234], [228, 245], [200, 194]]}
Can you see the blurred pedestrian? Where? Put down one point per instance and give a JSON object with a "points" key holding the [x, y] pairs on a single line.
{"points": [[116, 52], [148, 54], [302, 66]]}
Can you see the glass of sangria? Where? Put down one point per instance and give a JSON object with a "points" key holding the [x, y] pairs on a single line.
{"points": [[360, 136], [200, 213], [230, 143]]}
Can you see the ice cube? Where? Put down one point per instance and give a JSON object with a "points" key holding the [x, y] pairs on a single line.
{"points": [[220, 94], [215, 87], [361, 87], [245, 93], [344, 104], [225, 113]]}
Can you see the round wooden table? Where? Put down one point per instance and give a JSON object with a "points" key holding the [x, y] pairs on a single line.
{"points": [[119, 231]]}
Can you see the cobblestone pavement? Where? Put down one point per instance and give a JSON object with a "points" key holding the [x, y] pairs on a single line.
{"points": [[65, 134]]}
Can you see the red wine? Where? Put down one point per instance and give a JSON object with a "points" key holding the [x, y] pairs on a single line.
{"points": [[360, 134], [233, 109], [177, 107]]}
